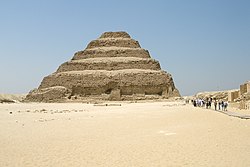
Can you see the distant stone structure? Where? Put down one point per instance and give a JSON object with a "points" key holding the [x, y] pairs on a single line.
{"points": [[244, 104], [233, 95], [244, 97], [112, 67], [219, 95], [241, 95], [245, 88]]}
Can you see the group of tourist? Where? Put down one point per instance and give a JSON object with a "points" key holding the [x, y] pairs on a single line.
{"points": [[222, 105]]}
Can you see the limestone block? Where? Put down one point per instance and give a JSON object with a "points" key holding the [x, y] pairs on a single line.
{"points": [[115, 94]]}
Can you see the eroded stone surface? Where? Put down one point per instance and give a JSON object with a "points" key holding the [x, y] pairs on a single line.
{"points": [[111, 52], [113, 67], [110, 63]]}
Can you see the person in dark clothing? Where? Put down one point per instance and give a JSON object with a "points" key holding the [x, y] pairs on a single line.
{"points": [[219, 104], [194, 103], [225, 106], [215, 105], [222, 105]]}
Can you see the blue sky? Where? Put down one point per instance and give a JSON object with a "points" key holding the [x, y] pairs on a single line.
{"points": [[204, 44]]}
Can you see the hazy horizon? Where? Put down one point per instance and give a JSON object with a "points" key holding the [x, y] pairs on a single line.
{"points": [[203, 44]]}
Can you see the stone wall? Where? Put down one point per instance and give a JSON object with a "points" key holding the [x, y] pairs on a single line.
{"points": [[248, 87], [243, 88], [233, 95]]}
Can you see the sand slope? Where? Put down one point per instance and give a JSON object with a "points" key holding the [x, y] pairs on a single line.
{"points": [[11, 97], [136, 134]]}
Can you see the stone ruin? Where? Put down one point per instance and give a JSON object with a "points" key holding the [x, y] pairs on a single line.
{"points": [[244, 95], [245, 88], [112, 67], [241, 94]]}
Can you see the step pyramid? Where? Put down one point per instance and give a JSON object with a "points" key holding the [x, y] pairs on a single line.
{"points": [[112, 67]]}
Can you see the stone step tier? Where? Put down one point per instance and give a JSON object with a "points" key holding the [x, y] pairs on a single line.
{"points": [[111, 52], [119, 34], [94, 82], [117, 42], [110, 63]]}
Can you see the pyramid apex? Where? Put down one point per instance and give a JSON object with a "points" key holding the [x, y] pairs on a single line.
{"points": [[117, 34]]}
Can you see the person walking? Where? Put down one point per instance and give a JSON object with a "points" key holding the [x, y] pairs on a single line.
{"points": [[194, 103], [215, 105], [222, 105], [225, 105]]}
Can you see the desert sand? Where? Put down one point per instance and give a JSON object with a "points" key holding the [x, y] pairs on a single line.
{"points": [[134, 134]]}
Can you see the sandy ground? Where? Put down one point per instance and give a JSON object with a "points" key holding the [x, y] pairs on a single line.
{"points": [[134, 134]]}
